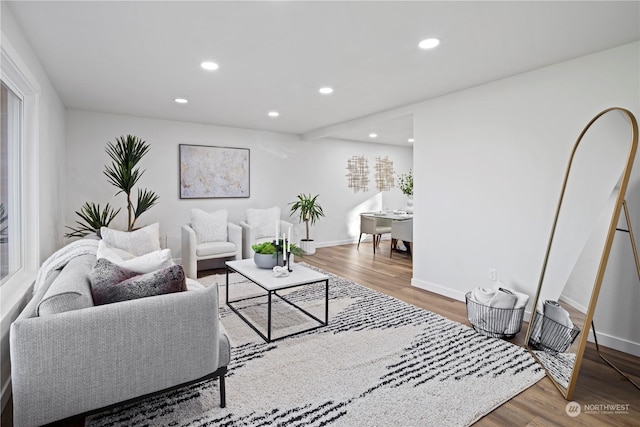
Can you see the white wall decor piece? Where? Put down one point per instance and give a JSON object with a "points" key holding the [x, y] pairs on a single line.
{"points": [[358, 176], [384, 173]]}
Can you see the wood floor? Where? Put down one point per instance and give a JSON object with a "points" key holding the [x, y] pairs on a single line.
{"points": [[539, 405]]}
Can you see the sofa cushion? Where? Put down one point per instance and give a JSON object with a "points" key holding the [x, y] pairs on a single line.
{"points": [[194, 285], [209, 226], [215, 248], [70, 290], [111, 283], [146, 263], [264, 221], [138, 242]]}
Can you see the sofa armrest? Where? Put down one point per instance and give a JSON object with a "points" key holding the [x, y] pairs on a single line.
{"points": [[130, 349], [189, 259], [234, 235]]}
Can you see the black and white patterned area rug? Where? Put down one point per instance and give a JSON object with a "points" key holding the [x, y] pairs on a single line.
{"points": [[379, 362]]}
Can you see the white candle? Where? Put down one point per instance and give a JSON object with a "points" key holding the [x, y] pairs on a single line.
{"points": [[289, 248], [277, 232]]}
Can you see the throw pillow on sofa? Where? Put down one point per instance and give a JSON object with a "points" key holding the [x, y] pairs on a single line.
{"points": [[146, 263], [111, 283], [138, 242]]}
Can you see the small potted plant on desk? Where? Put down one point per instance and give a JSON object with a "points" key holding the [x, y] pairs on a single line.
{"points": [[405, 184], [309, 210], [268, 256]]}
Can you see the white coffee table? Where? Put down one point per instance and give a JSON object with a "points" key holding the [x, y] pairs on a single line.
{"points": [[264, 278]]}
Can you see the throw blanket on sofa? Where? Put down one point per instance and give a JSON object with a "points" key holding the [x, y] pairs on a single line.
{"points": [[62, 256]]}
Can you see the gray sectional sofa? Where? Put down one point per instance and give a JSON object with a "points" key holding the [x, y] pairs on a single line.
{"points": [[69, 357]]}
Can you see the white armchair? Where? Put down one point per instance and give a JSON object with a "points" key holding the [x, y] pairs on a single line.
{"points": [[260, 226], [209, 236]]}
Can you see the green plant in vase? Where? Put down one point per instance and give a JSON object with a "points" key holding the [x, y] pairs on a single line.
{"points": [[268, 248], [267, 254], [405, 183]]}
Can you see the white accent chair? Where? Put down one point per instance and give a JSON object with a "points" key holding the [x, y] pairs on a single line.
{"points": [[369, 224], [192, 251], [402, 230], [260, 226]]}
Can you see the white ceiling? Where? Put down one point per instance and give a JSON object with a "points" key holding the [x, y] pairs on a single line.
{"points": [[134, 58]]}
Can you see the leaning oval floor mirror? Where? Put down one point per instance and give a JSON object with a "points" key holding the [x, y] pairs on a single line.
{"points": [[582, 233]]}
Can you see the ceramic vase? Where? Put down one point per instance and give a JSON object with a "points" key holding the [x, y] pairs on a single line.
{"points": [[410, 204]]}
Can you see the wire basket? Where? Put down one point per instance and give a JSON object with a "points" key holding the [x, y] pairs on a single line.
{"points": [[494, 322], [549, 335]]}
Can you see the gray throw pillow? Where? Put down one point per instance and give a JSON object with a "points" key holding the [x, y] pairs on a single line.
{"points": [[111, 283]]}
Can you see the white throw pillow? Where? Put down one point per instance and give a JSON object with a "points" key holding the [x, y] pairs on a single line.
{"points": [[111, 253], [153, 261], [138, 242], [264, 221], [209, 226]]}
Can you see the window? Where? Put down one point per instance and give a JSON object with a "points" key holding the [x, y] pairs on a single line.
{"points": [[10, 183]]}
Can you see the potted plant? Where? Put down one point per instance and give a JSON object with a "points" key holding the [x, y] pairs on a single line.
{"points": [[265, 254], [405, 184], [309, 211], [122, 173], [93, 218]]}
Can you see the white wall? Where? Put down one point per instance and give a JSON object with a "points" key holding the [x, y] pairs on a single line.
{"points": [[44, 177], [492, 161], [282, 166]]}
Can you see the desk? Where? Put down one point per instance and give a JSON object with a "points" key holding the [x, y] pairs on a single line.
{"points": [[389, 215], [401, 226]]}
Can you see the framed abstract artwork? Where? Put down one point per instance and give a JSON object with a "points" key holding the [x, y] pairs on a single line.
{"points": [[213, 172]]}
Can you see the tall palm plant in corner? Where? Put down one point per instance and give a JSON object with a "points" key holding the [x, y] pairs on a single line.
{"points": [[123, 174], [309, 211]]}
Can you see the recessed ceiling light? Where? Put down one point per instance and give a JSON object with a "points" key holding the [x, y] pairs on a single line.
{"points": [[373, 135], [209, 66], [325, 90], [411, 140], [273, 114], [429, 43], [181, 100]]}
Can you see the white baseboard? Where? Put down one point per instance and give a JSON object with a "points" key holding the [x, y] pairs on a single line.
{"points": [[440, 290], [616, 343], [606, 340], [367, 239]]}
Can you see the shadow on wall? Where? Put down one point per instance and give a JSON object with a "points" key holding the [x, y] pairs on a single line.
{"points": [[352, 221]]}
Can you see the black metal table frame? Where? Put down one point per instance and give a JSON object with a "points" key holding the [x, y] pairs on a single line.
{"points": [[270, 293]]}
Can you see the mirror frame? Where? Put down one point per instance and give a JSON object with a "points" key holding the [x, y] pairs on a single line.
{"points": [[606, 250]]}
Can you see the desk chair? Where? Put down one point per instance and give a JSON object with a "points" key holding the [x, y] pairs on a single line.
{"points": [[402, 230], [374, 226]]}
